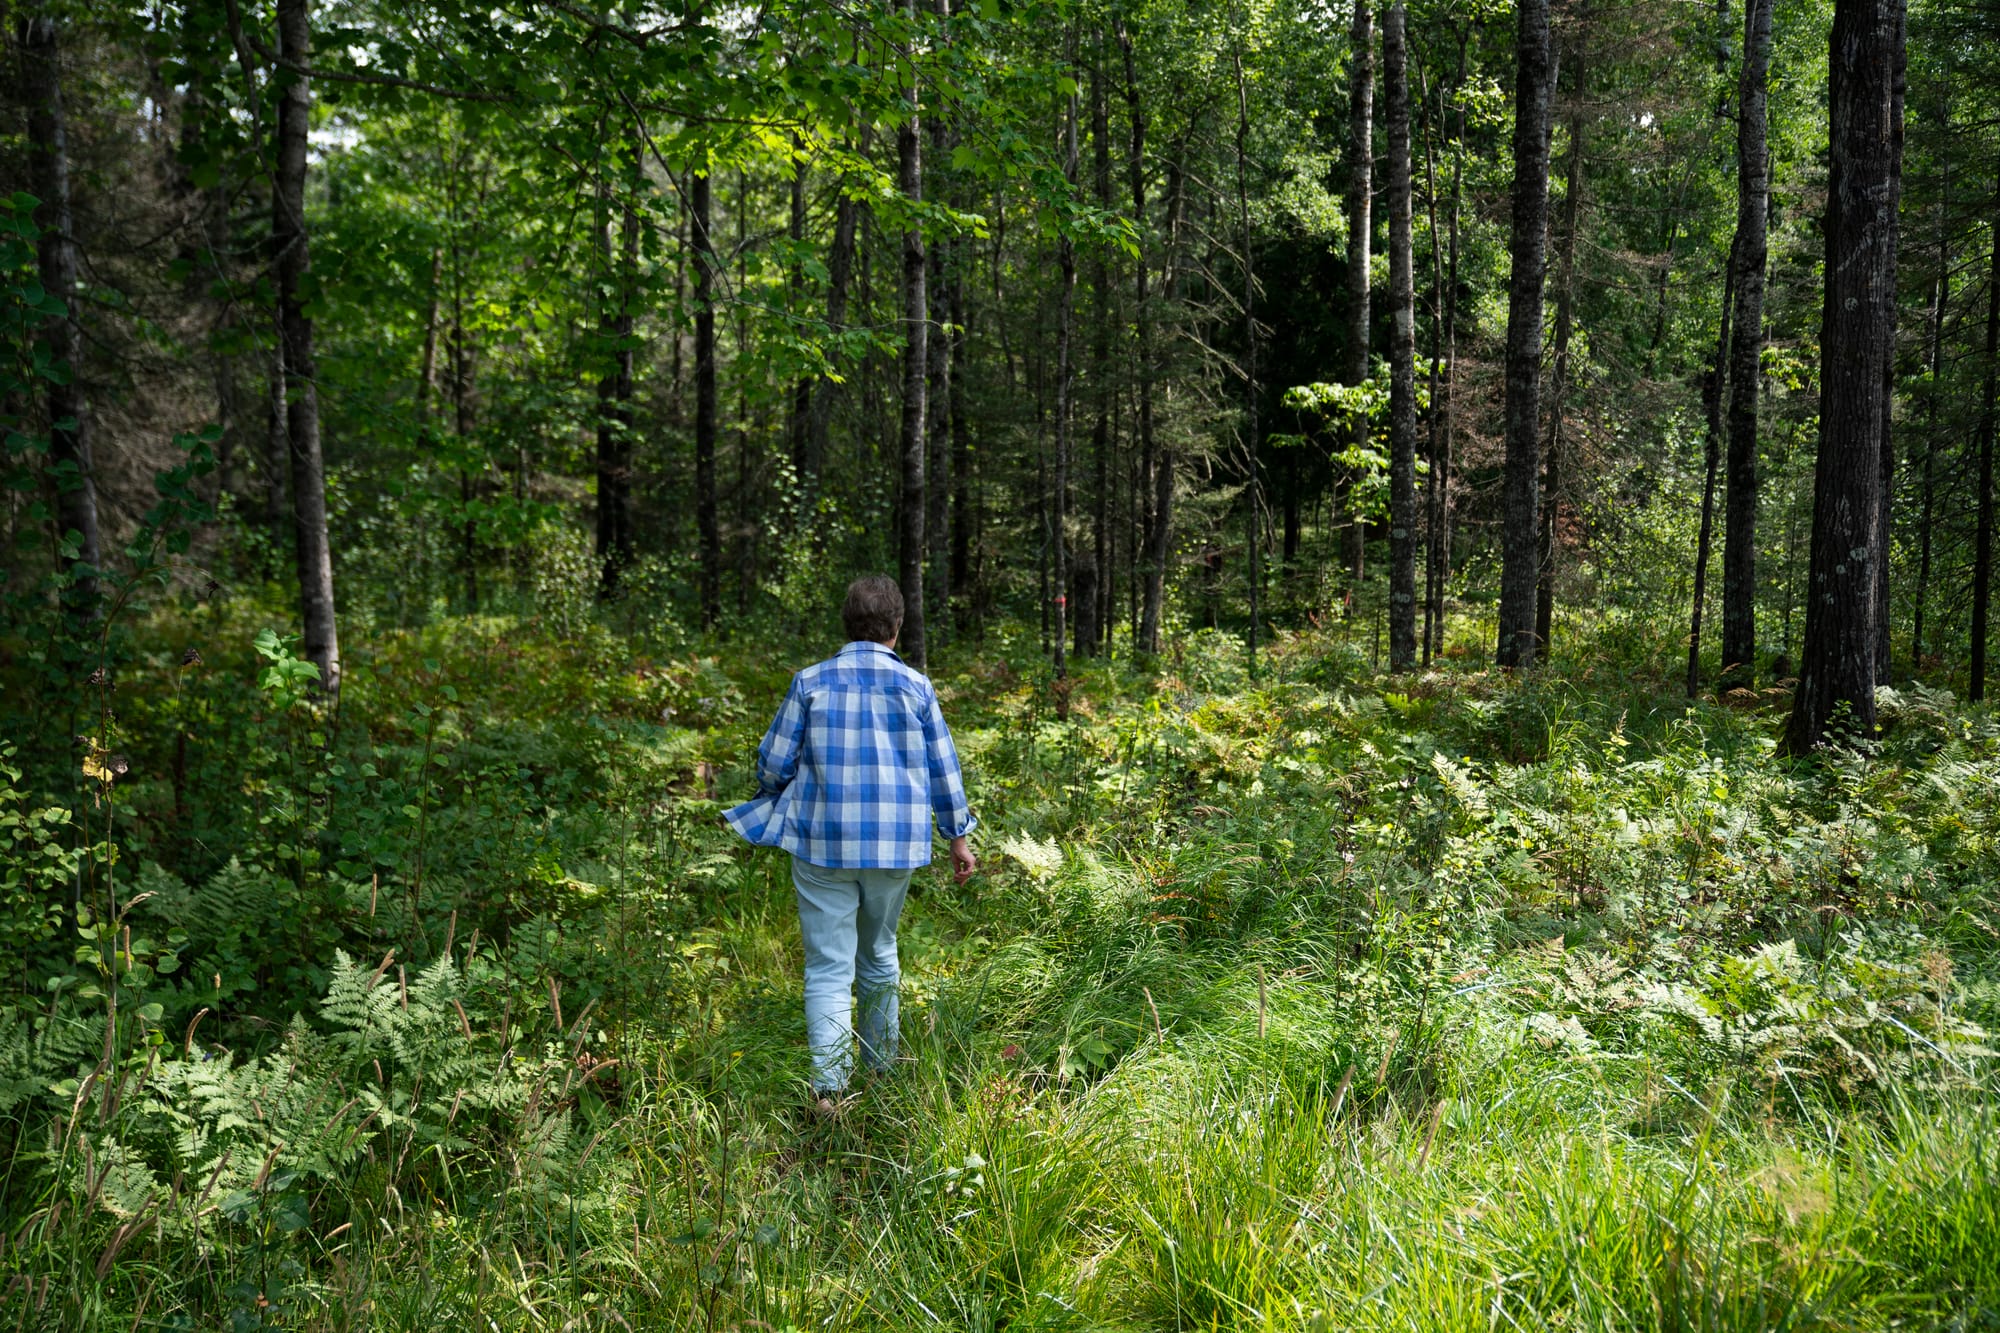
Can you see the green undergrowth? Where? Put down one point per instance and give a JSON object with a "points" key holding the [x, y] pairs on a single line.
{"points": [[1314, 1000]]}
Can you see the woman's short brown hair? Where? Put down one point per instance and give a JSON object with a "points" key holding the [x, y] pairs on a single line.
{"points": [[873, 609]]}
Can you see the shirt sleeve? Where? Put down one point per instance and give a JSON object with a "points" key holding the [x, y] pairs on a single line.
{"points": [[778, 755], [948, 803]]}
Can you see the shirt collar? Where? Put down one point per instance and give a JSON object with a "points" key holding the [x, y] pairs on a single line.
{"points": [[867, 646]]}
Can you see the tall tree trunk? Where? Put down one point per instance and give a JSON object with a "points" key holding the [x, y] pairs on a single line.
{"points": [[292, 260], [1360, 229], [1712, 386], [1100, 374], [916, 316], [1837, 662], [1940, 296], [1159, 539], [1559, 373], [1059, 498], [1989, 420], [1534, 88], [614, 396], [961, 441], [1746, 347], [1253, 436], [69, 440], [707, 524], [940, 391], [1151, 461], [839, 276], [461, 410], [1402, 356], [427, 365], [1437, 566], [1898, 88], [798, 427]]}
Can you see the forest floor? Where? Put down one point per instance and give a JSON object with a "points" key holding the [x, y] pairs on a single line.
{"points": [[1315, 1000]]}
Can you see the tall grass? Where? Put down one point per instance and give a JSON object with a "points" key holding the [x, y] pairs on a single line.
{"points": [[1324, 1002]]}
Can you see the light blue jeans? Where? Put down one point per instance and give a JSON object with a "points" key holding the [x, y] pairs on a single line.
{"points": [[848, 919]]}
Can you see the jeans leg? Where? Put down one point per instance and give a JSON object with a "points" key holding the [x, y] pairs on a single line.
{"points": [[829, 901], [876, 965]]}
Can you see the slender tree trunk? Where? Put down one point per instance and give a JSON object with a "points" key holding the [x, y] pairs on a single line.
{"points": [[69, 440], [1150, 460], [916, 317], [961, 440], [941, 390], [1559, 375], [1059, 498], [1253, 434], [1712, 387], [1886, 494], [1534, 88], [1360, 229], [707, 526], [1746, 347], [839, 276], [1159, 543], [461, 409], [1989, 420], [1100, 375], [614, 398], [1437, 567], [292, 260], [799, 425], [1837, 667], [427, 366], [1402, 355], [1940, 296]]}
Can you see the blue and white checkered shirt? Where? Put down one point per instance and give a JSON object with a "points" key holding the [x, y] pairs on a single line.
{"points": [[854, 766]]}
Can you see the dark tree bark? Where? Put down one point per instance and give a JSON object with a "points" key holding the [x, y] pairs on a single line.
{"points": [[614, 400], [292, 260], [1360, 230], [839, 277], [1712, 384], [1402, 356], [69, 440], [707, 527], [962, 501], [1159, 538], [1559, 375], [1940, 297], [1534, 88], [1059, 496], [1253, 436], [1886, 493], [427, 364], [1095, 635], [916, 332], [1837, 662], [799, 426], [1989, 421], [1444, 369], [1746, 347], [1151, 462]]}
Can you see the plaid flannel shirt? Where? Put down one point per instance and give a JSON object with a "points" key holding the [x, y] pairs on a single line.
{"points": [[855, 766]]}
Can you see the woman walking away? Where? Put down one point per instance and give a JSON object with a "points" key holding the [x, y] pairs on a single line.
{"points": [[850, 775]]}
